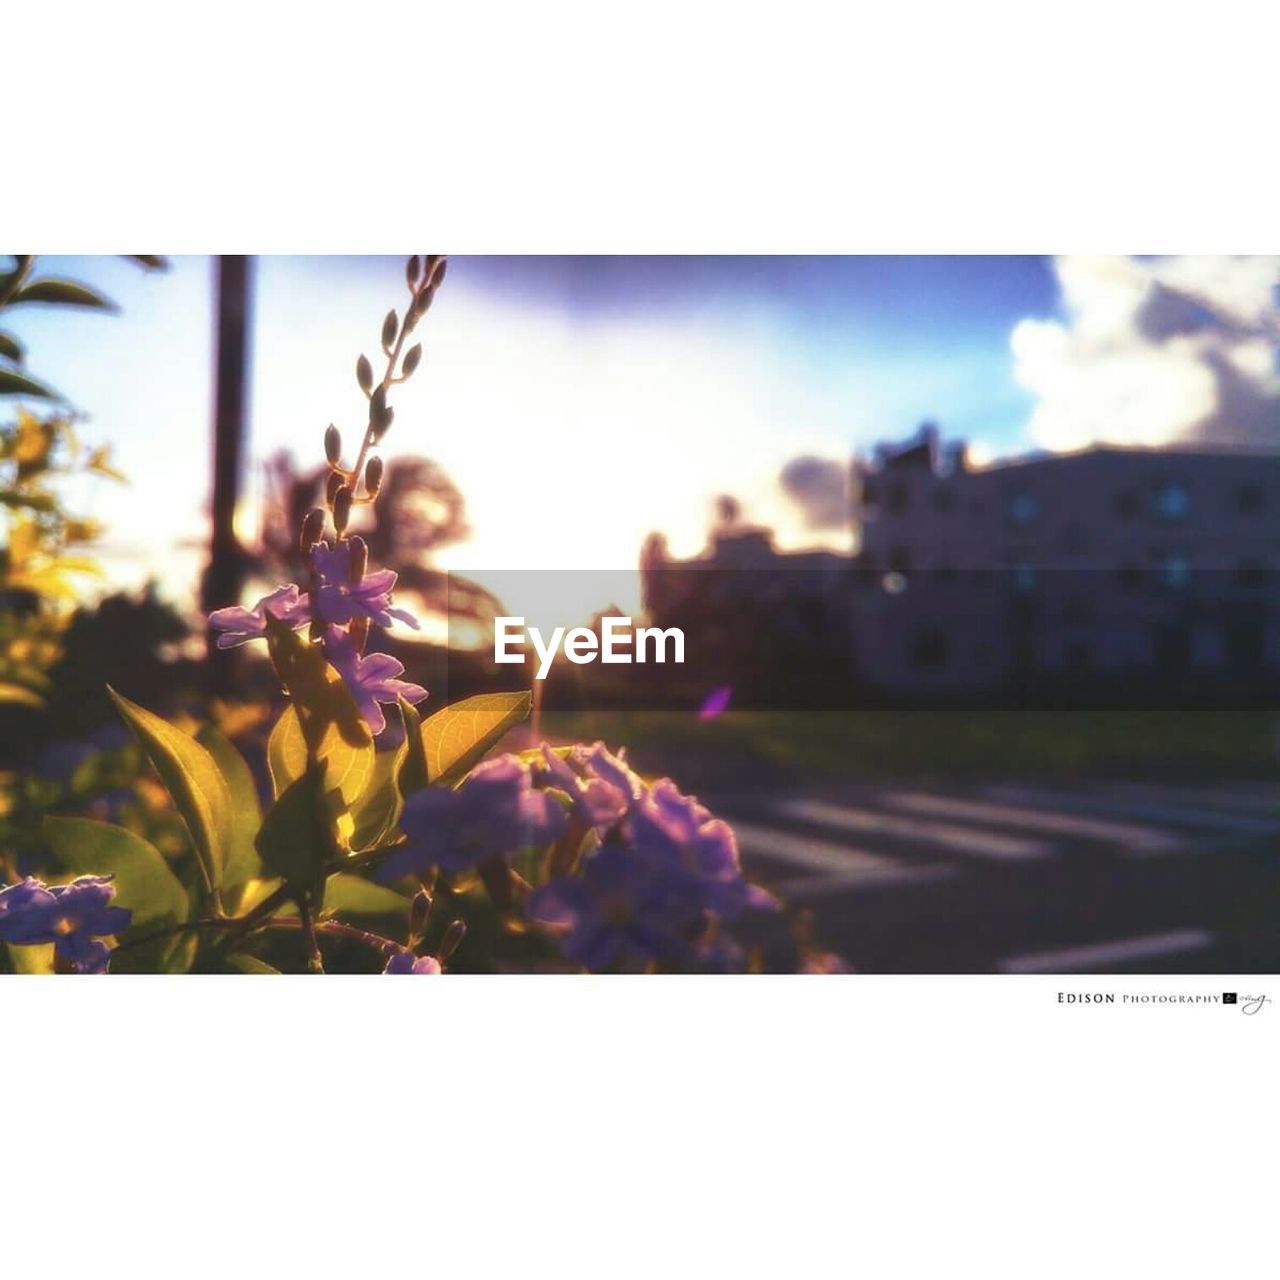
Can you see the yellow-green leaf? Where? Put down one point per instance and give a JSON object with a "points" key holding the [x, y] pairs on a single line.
{"points": [[192, 778], [324, 722], [353, 895], [297, 837], [37, 959], [457, 737], [242, 861], [378, 810]]}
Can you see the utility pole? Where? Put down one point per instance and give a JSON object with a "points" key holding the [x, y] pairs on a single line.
{"points": [[224, 577]]}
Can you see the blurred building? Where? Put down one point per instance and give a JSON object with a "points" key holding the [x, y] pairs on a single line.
{"points": [[1111, 568], [774, 624]]}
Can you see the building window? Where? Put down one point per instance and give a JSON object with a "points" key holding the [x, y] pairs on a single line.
{"points": [[1170, 502], [1129, 577], [1175, 572], [1023, 508], [1250, 575], [1078, 610], [1127, 504], [944, 500], [1075, 539], [869, 498], [899, 560], [1250, 499], [929, 649], [1078, 655], [898, 499]]}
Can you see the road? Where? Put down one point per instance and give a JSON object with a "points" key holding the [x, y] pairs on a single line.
{"points": [[1104, 877]]}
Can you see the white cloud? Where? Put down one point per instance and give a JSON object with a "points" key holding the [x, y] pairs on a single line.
{"points": [[1154, 351]]}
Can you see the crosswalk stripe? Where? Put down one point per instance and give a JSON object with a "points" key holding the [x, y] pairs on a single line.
{"points": [[821, 886], [984, 844], [1144, 839], [1099, 954], [1150, 811], [837, 863]]}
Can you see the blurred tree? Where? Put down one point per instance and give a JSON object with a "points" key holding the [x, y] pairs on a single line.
{"points": [[229, 565]]}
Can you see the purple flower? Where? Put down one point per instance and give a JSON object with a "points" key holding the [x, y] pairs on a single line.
{"points": [[72, 916], [238, 625], [602, 787], [662, 875], [407, 962], [494, 813], [372, 678], [340, 601], [615, 912], [675, 833]]}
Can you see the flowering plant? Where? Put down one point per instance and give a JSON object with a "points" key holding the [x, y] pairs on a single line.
{"points": [[559, 858]]}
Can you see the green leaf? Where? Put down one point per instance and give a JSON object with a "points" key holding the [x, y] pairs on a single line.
{"points": [[192, 778], [10, 348], [457, 737], [297, 837], [413, 773], [242, 962], [242, 861], [377, 811], [143, 883], [64, 293], [323, 724], [353, 895], [13, 383], [37, 959]]}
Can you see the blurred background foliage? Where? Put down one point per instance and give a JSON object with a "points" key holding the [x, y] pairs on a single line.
{"points": [[57, 652]]}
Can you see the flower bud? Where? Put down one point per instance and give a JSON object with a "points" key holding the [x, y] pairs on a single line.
{"points": [[359, 558], [333, 445], [312, 529], [412, 270], [341, 510], [364, 374], [378, 408], [452, 939], [418, 913], [373, 477], [438, 278], [335, 482], [411, 360], [390, 327]]}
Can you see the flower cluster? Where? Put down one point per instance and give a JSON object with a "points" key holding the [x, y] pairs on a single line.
{"points": [[75, 917], [496, 812], [663, 873]]}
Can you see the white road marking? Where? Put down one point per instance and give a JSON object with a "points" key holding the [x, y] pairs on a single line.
{"points": [[838, 864], [803, 887], [1148, 811], [1130, 836], [984, 844], [1099, 955]]}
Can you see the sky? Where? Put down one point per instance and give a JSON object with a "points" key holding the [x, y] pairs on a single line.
{"points": [[581, 403]]}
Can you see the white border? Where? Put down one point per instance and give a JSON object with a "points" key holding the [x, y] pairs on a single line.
{"points": [[886, 1127]]}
